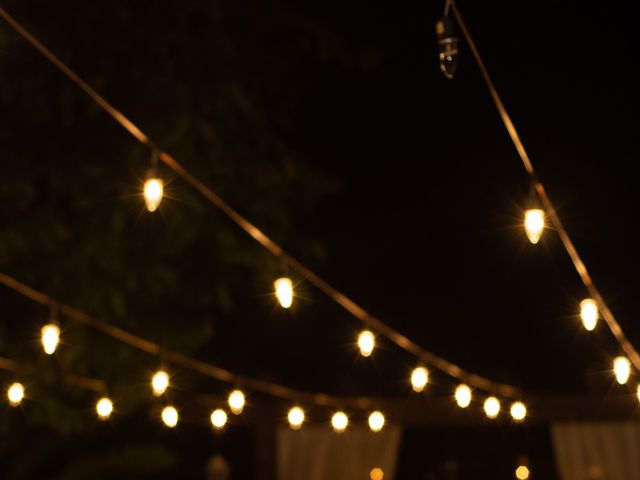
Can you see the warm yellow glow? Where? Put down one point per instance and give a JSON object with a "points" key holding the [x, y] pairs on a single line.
{"points": [[160, 383], [170, 416], [284, 291], [622, 369], [463, 396], [339, 422], [236, 402], [218, 418], [522, 473], [589, 313], [366, 343], [492, 407], [50, 338], [104, 408], [518, 411], [376, 421], [15, 394], [376, 474], [153, 190], [296, 418], [638, 392], [534, 224], [419, 378]]}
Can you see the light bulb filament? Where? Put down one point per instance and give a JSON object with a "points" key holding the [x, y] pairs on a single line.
{"points": [[534, 224], [463, 396], [153, 192], [366, 343], [50, 338], [284, 291], [296, 417], [339, 422], [160, 383], [589, 313], [419, 379], [622, 369]]}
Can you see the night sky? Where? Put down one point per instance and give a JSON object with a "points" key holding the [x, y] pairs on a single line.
{"points": [[421, 224], [425, 228]]}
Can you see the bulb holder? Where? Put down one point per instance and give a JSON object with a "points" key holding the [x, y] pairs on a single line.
{"points": [[448, 50]]}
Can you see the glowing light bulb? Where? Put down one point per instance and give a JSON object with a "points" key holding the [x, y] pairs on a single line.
{"points": [[419, 378], [492, 407], [50, 338], [376, 474], [104, 408], [463, 396], [518, 411], [366, 343], [284, 291], [218, 418], [522, 472], [15, 394], [447, 46], [376, 421], [589, 313], [170, 416], [236, 402], [296, 418], [160, 383], [622, 369], [153, 191], [534, 224], [339, 422]]}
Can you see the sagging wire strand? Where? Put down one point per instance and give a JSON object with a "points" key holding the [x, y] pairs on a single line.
{"points": [[547, 205]]}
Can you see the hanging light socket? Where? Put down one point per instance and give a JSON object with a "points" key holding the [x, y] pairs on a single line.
{"points": [[447, 46]]}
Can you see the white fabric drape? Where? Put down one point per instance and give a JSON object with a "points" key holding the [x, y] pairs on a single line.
{"points": [[597, 451], [317, 453]]}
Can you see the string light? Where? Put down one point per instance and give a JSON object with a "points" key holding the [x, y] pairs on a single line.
{"points": [[518, 411], [236, 402], [339, 422], [492, 407], [638, 392], [526, 163], [589, 313], [376, 421], [218, 418], [170, 416], [284, 291], [104, 408], [534, 224], [622, 369], [50, 338], [376, 474], [419, 379], [522, 472], [366, 343], [463, 396], [295, 418], [160, 382], [15, 394], [537, 186], [140, 136], [153, 191]]}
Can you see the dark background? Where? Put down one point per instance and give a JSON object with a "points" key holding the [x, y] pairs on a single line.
{"points": [[330, 126]]}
